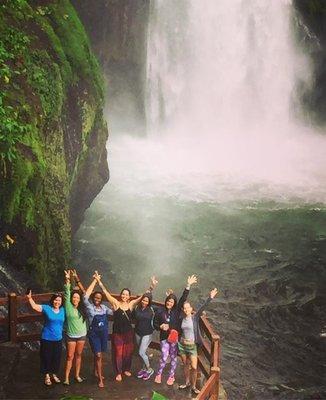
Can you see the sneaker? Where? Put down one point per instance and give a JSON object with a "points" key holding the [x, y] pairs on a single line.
{"points": [[141, 373], [148, 374], [158, 379], [170, 381]]}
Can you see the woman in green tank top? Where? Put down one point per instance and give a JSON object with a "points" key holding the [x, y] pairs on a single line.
{"points": [[76, 329]]}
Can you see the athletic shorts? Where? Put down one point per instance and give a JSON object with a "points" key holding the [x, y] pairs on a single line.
{"points": [[75, 339], [187, 349], [98, 341]]}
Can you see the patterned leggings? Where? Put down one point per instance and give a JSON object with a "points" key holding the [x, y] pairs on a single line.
{"points": [[166, 350]]}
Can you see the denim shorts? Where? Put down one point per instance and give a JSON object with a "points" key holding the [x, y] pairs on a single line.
{"points": [[98, 340]]}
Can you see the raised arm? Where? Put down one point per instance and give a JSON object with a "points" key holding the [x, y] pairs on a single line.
{"points": [[78, 281], [91, 287], [112, 300], [67, 286], [213, 293], [36, 307], [133, 303], [190, 281]]}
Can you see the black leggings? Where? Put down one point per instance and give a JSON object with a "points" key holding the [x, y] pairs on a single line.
{"points": [[50, 354]]}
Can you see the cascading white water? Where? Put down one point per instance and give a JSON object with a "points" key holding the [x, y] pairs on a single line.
{"points": [[221, 86], [221, 63]]}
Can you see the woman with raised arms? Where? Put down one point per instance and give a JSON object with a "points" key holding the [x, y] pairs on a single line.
{"points": [[144, 327], [51, 337], [167, 322], [123, 335], [98, 332], [76, 329], [190, 338]]}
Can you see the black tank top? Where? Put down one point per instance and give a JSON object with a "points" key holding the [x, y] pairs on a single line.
{"points": [[122, 321]]}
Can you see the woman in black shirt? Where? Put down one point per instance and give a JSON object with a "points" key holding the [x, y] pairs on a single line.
{"points": [[122, 335], [144, 328]]}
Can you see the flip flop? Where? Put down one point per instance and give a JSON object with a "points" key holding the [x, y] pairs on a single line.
{"points": [[184, 386], [194, 390]]}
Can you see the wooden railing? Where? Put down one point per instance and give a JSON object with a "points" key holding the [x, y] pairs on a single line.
{"points": [[208, 357]]}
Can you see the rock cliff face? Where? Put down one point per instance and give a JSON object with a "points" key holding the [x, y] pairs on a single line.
{"points": [[313, 14], [53, 159], [118, 33]]}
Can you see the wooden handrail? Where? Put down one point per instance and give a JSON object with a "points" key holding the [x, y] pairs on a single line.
{"points": [[3, 301], [207, 388]]}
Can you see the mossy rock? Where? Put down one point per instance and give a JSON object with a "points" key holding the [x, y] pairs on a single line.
{"points": [[52, 133]]}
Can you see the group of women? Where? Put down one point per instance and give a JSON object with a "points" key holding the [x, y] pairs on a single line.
{"points": [[81, 313]]}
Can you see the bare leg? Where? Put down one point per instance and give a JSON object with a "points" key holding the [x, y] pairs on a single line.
{"points": [[186, 369], [71, 347], [193, 361], [78, 354], [99, 369]]}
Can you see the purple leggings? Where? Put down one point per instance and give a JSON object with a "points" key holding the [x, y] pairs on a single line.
{"points": [[166, 350]]}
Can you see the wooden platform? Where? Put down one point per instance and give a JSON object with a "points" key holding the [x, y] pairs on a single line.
{"points": [[20, 379]]}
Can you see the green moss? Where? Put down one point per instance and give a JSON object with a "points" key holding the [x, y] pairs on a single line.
{"points": [[49, 81], [44, 76], [76, 44]]}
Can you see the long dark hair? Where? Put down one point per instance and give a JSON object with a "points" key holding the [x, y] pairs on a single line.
{"points": [[81, 306]]}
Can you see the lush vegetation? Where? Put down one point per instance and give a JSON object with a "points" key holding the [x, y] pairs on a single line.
{"points": [[51, 99]]}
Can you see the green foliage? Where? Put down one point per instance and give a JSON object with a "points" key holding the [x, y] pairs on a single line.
{"points": [[157, 396], [44, 76], [75, 397], [13, 126], [76, 45], [46, 67]]}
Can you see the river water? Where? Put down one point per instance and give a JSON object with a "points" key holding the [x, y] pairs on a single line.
{"points": [[266, 254], [227, 183]]}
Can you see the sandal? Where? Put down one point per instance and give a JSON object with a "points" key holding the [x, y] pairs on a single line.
{"points": [[66, 383], [127, 373], [56, 379], [79, 379], [118, 378], [194, 390], [184, 386], [47, 381]]}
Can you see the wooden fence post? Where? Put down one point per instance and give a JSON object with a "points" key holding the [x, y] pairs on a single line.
{"points": [[12, 314], [215, 391]]}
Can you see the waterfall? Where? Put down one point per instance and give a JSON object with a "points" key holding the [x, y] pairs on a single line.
{"points": [[221, 65], [222, 81]]}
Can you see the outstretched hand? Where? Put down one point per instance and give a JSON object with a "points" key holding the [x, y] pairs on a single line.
{"points": [[213, 293], [67, 274], [29, 295], [97, 276], [154, 281], [192, 279], [74, 273]]}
